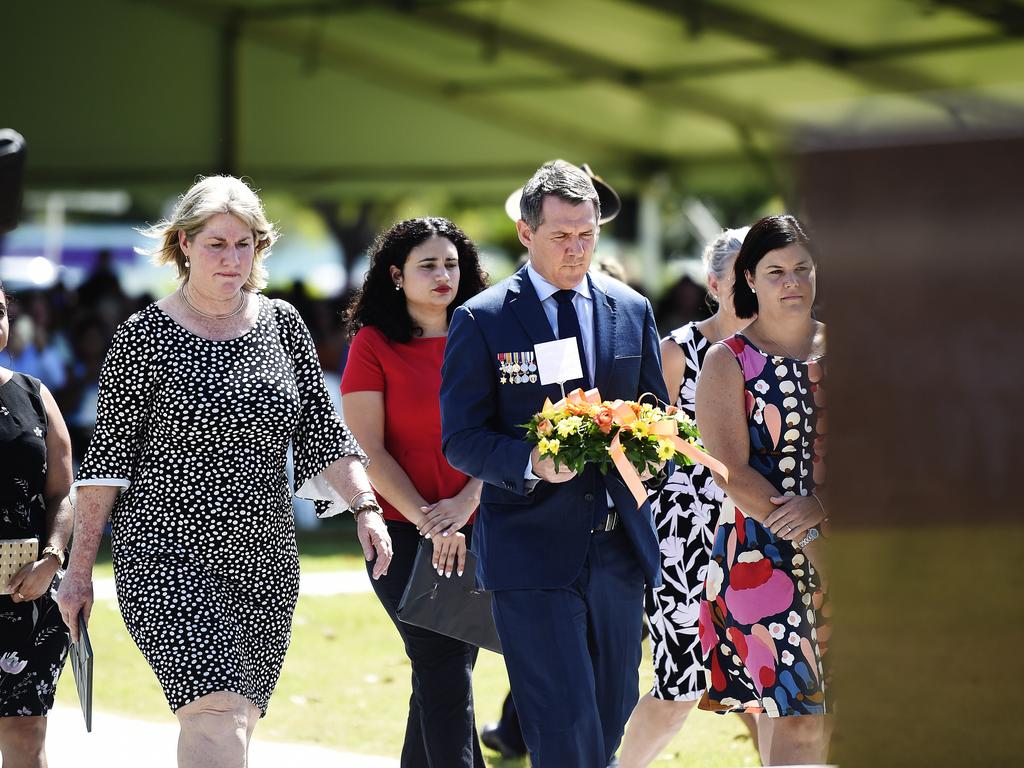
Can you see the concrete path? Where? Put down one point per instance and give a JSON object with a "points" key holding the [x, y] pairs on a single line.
{"points": [[120, 742], [316, 583]]}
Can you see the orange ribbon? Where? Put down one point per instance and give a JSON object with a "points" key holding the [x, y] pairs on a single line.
{"points": [[623, 416]]}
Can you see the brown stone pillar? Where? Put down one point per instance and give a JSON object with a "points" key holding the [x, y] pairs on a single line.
{"points": [[920, 242]]}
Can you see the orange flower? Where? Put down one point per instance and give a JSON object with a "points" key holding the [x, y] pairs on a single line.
{"points": [[604, 419], [545, 428]]}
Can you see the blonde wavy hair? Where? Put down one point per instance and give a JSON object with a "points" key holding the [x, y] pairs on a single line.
{"points": [[206, 198]]}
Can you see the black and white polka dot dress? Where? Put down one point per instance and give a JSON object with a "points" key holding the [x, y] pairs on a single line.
{"points": [[197, 433]]}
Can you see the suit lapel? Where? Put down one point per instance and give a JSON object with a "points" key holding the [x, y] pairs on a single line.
{"points": [[604, 333], [526, 306]]}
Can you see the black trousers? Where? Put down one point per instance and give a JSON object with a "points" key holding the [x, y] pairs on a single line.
{"points": [[441, 729]]}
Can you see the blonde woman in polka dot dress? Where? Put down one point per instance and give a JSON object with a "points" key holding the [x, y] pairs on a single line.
{"points": [[200, 396], [764, 619]]}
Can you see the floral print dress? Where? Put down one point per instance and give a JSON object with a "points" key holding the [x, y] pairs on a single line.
{"points": [[33, 638], [764, 620], [685, 512]]}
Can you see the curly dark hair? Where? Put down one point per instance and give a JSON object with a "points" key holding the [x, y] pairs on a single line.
{"points": [[379, 305], [768, 234]]}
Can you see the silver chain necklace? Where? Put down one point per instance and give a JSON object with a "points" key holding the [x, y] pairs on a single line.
{"points": [[194, 308], [786, 351]]}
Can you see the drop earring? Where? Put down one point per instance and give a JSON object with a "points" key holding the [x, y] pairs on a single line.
{"points": [[398, 286], [187, 263]]}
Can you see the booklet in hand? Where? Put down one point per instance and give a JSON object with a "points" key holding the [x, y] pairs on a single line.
{"points": [[81, 665]]}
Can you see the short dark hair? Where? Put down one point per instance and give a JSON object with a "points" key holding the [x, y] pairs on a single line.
{"points": [[377, 304], [561, 179], [768, 234]]}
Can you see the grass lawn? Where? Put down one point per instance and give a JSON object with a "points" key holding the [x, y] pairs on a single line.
{"points": [[345, 682]]}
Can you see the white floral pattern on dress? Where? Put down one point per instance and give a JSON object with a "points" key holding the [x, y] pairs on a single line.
{"points": [[685, 513]]}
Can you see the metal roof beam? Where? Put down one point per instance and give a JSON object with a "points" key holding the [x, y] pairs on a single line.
{"points": [[372, 67], [788, 44], [1008, 16]]}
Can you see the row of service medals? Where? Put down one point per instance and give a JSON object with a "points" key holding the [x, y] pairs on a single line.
{"points": [[517, 367]]}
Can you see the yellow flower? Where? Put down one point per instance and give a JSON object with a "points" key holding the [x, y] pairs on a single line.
{"points": [[553, 446], [542, 446], [548, 410], [640, 428], [666, 450], [569, 426]]}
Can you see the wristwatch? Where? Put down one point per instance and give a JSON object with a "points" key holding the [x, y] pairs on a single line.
{"points": [[811, 535], [60, 554]]}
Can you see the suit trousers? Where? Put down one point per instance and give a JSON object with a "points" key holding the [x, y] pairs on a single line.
{"points": [[573, 656], [441, 728]]}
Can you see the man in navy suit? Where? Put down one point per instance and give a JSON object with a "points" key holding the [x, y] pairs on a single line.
{"points": [[565, 555]]}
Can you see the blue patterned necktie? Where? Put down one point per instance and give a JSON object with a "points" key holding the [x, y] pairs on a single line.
{"points": [[569, 326]]}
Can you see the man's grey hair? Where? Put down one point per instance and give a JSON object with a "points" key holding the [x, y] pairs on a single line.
{"points": [[561, 179]]}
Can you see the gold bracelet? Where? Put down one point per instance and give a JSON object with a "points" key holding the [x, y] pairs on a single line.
{"points": [[358, 500], [368, 507], [820, 504]]}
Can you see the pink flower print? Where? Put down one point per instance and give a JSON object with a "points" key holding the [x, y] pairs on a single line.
{"points": [[787, 658], [11, 664], [756, 589], [776, 630], [756, 657], [794, 639], [793, 619], [706, 629], [752, 362]]}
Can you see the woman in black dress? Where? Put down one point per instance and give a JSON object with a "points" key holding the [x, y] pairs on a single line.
{"points": [[35, 475], [200, 396]]}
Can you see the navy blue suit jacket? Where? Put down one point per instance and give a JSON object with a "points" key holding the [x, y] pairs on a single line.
{"points": [[539, 540]]}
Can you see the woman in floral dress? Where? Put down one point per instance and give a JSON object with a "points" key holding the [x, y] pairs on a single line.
{"points": [[35, 475], [686, 512], [760, 404]]}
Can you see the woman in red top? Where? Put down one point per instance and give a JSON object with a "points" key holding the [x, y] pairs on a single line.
{"points": [[420, 271]]}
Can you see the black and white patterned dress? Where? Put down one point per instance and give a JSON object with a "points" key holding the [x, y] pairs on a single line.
{"points": [[685, 513], [197, 432], [33, 637]]}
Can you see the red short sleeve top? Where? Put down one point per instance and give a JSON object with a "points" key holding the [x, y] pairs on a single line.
{"points": [[409, 376]]}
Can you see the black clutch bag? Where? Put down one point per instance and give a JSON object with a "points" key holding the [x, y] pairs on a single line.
{"points": [[454, 607]]}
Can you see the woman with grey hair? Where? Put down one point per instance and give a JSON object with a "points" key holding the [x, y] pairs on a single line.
{"points": [[686, 513], [200, 395]]}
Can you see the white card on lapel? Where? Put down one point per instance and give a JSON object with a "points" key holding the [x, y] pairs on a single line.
{"points": [[558, 361]]}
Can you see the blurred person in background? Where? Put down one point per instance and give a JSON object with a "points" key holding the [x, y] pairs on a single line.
{"points": [[764, 620], [102, 283], [685, 301], [34, 354], [35, 476], [199, 398], [420, 271], [686, 511], [78, 396]]}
